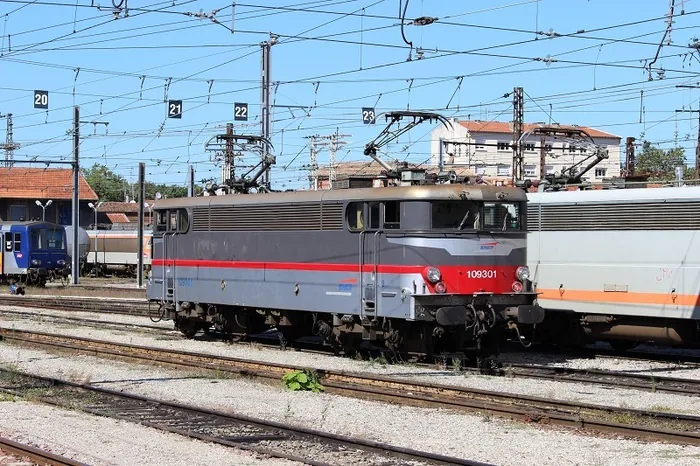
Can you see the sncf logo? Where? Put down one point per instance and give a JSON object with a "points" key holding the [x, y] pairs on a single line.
{"points": [[487, 246]]}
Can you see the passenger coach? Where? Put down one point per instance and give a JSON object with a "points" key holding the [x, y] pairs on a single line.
{"points": [[33, 252], [420, 268]]}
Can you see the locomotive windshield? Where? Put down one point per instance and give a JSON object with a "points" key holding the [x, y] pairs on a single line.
{"points": [[472, 215]]}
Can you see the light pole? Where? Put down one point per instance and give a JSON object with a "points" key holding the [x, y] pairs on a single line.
{"points": [[43, 208], [150, 212], [94, 209]]}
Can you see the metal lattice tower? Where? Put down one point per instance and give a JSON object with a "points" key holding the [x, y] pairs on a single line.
{"points": [[10, 146], [336, 143], [518, 117]]}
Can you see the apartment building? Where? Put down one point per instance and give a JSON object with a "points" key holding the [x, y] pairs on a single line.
{"points": [[485, 148]]}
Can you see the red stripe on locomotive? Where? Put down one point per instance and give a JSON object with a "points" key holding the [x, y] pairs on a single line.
{"points": [[459, 279]]}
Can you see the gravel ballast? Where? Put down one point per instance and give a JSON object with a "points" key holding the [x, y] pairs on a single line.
{"points": [[568, 391], [102, 441], [476, 437]]}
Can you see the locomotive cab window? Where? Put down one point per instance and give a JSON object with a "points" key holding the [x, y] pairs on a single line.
{"points": [[392, 215], [501, 216], [456, 215], [183, 220], [8, 242], [161, 220], [54, 239], [18, 241], [355, 216], [374, 215], [172, 224], [37, 243]]}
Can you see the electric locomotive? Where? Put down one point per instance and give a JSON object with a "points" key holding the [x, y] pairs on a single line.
{"points": [[421, 269], [33, 252]]}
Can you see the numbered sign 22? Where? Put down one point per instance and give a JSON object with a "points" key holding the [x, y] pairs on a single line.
{"points": [[368, 115], [174, 108], [41, 99], [240, 111]]}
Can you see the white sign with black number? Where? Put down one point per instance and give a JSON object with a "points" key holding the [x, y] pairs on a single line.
{"points": [[41, 99], [174, 108], [240, 111], [368, 115]]}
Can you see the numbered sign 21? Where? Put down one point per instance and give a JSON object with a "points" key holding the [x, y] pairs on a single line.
{"points": [[174, 108], [41, 99], [240, 111], [368, 115]]}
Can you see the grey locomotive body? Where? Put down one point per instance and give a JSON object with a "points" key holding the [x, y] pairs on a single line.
{"points": [[421, 268]]}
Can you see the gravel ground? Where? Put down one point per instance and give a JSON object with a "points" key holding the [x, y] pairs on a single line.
{"points": [[549, 389], [101, 441], [479, 438]]}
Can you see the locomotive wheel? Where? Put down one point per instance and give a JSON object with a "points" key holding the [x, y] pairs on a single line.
{"points": [[188, 327]]}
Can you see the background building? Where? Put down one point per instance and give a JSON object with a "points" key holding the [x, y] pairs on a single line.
{"points": [[485, 148], [20, 188]]}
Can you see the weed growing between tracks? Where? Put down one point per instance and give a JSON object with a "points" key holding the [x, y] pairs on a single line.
{"points": [[302, 380]]}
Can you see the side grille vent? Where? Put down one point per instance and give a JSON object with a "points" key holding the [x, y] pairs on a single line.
{"points": [[634, 216], [271, 217]]}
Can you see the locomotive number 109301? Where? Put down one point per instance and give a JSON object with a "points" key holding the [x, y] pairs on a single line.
{"points": [[486, 273]]}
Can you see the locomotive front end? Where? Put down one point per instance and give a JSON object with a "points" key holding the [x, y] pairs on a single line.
{"points": [[477, 283]]}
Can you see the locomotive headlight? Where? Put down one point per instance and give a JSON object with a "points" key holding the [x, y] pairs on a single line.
{"points": [[35, 262], [432, 274], [61, 263], [523, 273]]}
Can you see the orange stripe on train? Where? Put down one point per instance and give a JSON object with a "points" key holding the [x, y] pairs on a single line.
{"points": [[665, 299]]}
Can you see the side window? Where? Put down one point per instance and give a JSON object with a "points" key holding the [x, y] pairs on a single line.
{"points": [[184, 220], [374, 215], [172, 225], [355, 216], [36, 239], [392, 215], [161, 220], [18, 241], [8, 242]]}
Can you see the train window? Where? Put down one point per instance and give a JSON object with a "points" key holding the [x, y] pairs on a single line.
{"points": [[161, 220], [392, 215], [355, 216], [18, 241], [36, 239], [172, 226], [54, 239], [374, 215], [458, 215], [184, 220], [8, 242], [501, 216]]}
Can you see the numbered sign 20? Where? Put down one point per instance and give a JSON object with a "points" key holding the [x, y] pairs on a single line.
{"points": [[368, 115], [240, 111], [174, 108], [41, 99]]}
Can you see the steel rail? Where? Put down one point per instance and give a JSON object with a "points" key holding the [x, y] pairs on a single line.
{"points": [[637, 423], [293, 430], [36, 455]]}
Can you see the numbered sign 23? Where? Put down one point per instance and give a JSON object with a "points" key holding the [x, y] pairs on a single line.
{"points": [[240, 111], [41, 99], [368, 115], [174, 108]]}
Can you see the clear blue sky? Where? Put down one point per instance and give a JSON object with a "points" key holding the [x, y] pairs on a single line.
{"points": [[360, 55]]}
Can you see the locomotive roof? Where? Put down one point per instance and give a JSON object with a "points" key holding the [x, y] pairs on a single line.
{"points": [[30, 223], [419, 192], [682, 194]]}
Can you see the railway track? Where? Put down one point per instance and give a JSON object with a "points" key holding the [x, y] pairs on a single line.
{"points": [[688, 387], [82, 321], [267, 438], [35, 455], [663, 426], [131, 307]]}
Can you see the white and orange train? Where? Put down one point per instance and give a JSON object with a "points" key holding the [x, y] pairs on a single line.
{"points": [[617, 265], [116, 251]]}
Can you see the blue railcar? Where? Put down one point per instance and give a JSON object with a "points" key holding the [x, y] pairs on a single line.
{"points": [[33, 252]]}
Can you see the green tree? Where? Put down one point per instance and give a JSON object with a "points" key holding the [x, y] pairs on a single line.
{"points": [[660, 164], [108, 185]]}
